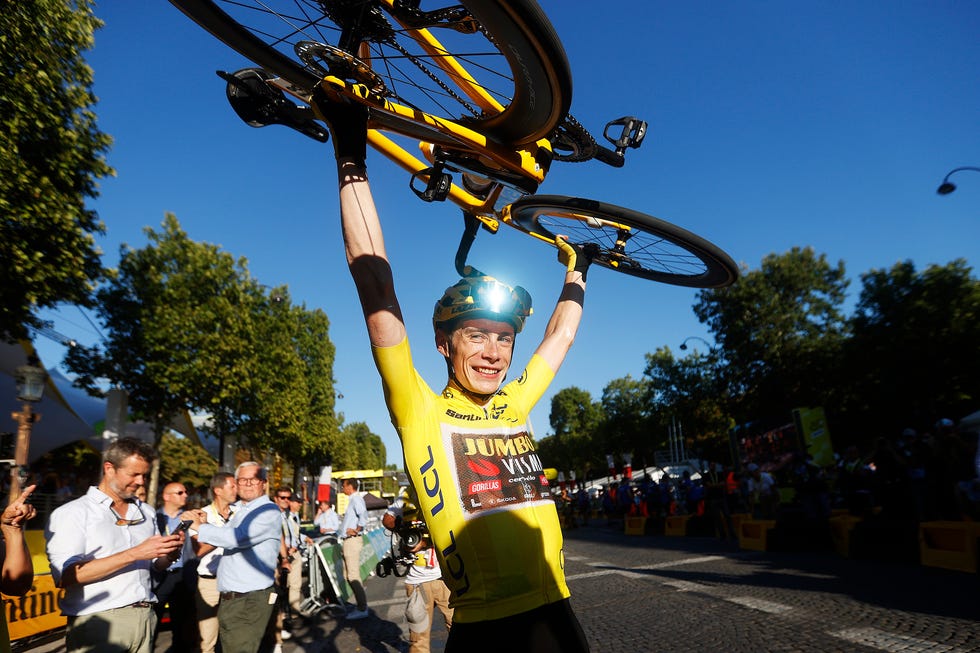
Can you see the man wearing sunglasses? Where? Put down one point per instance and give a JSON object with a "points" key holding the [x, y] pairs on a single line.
{"points": [[469, 449], [101, 548], [176, 586]]}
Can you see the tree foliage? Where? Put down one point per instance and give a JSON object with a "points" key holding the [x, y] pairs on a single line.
{"points": [[780, 329], [690, 392], [575, 419], [626, 409], [182, 461], [51, 154], [187, 327], [361, 449], [914, 354], [905, 357]]}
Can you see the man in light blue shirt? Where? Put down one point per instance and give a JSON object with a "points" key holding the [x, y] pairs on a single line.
{"points": [[246, 571], [351, 528]]}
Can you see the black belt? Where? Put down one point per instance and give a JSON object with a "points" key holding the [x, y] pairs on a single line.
{"points": [[230, 596], [207, 576]]}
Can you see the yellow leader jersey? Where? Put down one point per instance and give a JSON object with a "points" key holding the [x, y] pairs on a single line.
{"points": [[481, 488]]}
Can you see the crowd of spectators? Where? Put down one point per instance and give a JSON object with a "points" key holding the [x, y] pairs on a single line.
{"points": [[912, 476]]}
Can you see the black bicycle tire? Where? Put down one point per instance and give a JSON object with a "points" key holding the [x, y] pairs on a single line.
{"points": [[542, 91], [697, 263]]}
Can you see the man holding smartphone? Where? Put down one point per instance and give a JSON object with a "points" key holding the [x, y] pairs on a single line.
{"points": [[101, 548], [176, 586]]}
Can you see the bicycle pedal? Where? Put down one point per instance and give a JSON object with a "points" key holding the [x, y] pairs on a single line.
{"points": [[631, 134], [436, 189]]}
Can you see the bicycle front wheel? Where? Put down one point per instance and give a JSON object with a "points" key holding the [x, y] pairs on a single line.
{"points": [[495, 66], [628, 241]]}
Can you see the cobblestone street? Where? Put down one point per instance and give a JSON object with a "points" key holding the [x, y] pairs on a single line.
{"points": [[668, 594]]}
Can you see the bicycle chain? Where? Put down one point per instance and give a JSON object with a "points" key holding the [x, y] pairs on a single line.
{"points": [[449, 13]]}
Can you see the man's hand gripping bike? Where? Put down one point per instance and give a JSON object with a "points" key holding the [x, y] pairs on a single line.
{"points": [[482, 86]]}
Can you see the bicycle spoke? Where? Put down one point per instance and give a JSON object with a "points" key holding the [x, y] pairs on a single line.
{"points": [[639, 250]]}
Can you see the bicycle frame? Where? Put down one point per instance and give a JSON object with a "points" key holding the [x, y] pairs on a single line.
{"points": [[530, 165]]}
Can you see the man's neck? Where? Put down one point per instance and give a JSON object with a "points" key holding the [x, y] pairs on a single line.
{"points": [[171, 511], [221, 506], [117, 501], [481, 400]]}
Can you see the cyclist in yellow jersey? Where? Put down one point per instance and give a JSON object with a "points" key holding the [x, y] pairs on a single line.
{"points": [[469, 450]]}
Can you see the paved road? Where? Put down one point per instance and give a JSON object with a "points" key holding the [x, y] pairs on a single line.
{"points": [[670, 594]]}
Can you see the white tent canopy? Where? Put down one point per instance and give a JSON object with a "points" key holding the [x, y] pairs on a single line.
{"points": [[68, 414]]}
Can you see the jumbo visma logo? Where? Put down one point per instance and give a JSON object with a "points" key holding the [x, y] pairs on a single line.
{"points": [[498, 447]]}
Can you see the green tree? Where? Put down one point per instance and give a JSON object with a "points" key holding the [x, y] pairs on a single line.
{"points": [[363, 450], [294, 412], [690, 392], [51, 154], [780, 330], [188, 327], [183, 461], [576, 424], [627, 426], [913, 357], [178, 318]]}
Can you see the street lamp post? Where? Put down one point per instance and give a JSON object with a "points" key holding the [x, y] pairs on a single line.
{"points": [[684, 344], [30, 388], [947, 186]]}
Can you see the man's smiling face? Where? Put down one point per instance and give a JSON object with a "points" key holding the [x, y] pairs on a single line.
{"points": [[479, 352]]}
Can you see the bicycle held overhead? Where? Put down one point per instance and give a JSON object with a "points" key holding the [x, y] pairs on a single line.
{"points": [[489, 120]]}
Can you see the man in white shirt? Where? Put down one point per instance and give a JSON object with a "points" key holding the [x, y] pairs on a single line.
{"points": [[101, 547], [424, 577], [219, 511]]}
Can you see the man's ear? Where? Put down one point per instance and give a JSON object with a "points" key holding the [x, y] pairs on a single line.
{"points": [[442, 342]]}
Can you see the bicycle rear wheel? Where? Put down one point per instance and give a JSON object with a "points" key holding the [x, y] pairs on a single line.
{"points": [[496, 66], [629, 241]]}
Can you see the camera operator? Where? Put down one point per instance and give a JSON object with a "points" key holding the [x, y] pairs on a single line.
{"points": [[424, 578]]}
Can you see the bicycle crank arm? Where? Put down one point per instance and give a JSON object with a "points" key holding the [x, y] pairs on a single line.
{"points": [[259, 104]]}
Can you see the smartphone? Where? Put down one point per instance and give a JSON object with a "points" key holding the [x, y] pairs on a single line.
{"points": [[183, 526]]}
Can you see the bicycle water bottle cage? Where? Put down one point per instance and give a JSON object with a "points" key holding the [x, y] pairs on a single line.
{"points": [[631, 133], [436, 188]]}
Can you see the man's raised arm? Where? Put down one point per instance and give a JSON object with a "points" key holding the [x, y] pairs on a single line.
{"points": [[363, 239], [564, 322]]}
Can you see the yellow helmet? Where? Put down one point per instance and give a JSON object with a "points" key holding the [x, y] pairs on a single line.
{"points": [[482, 296]]}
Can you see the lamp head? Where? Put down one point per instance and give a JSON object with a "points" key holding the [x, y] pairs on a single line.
{"points": [[946, 188], [30, 380], [683, 346]]}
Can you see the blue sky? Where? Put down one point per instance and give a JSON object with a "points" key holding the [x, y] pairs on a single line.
{"points": [[772, 125]]}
